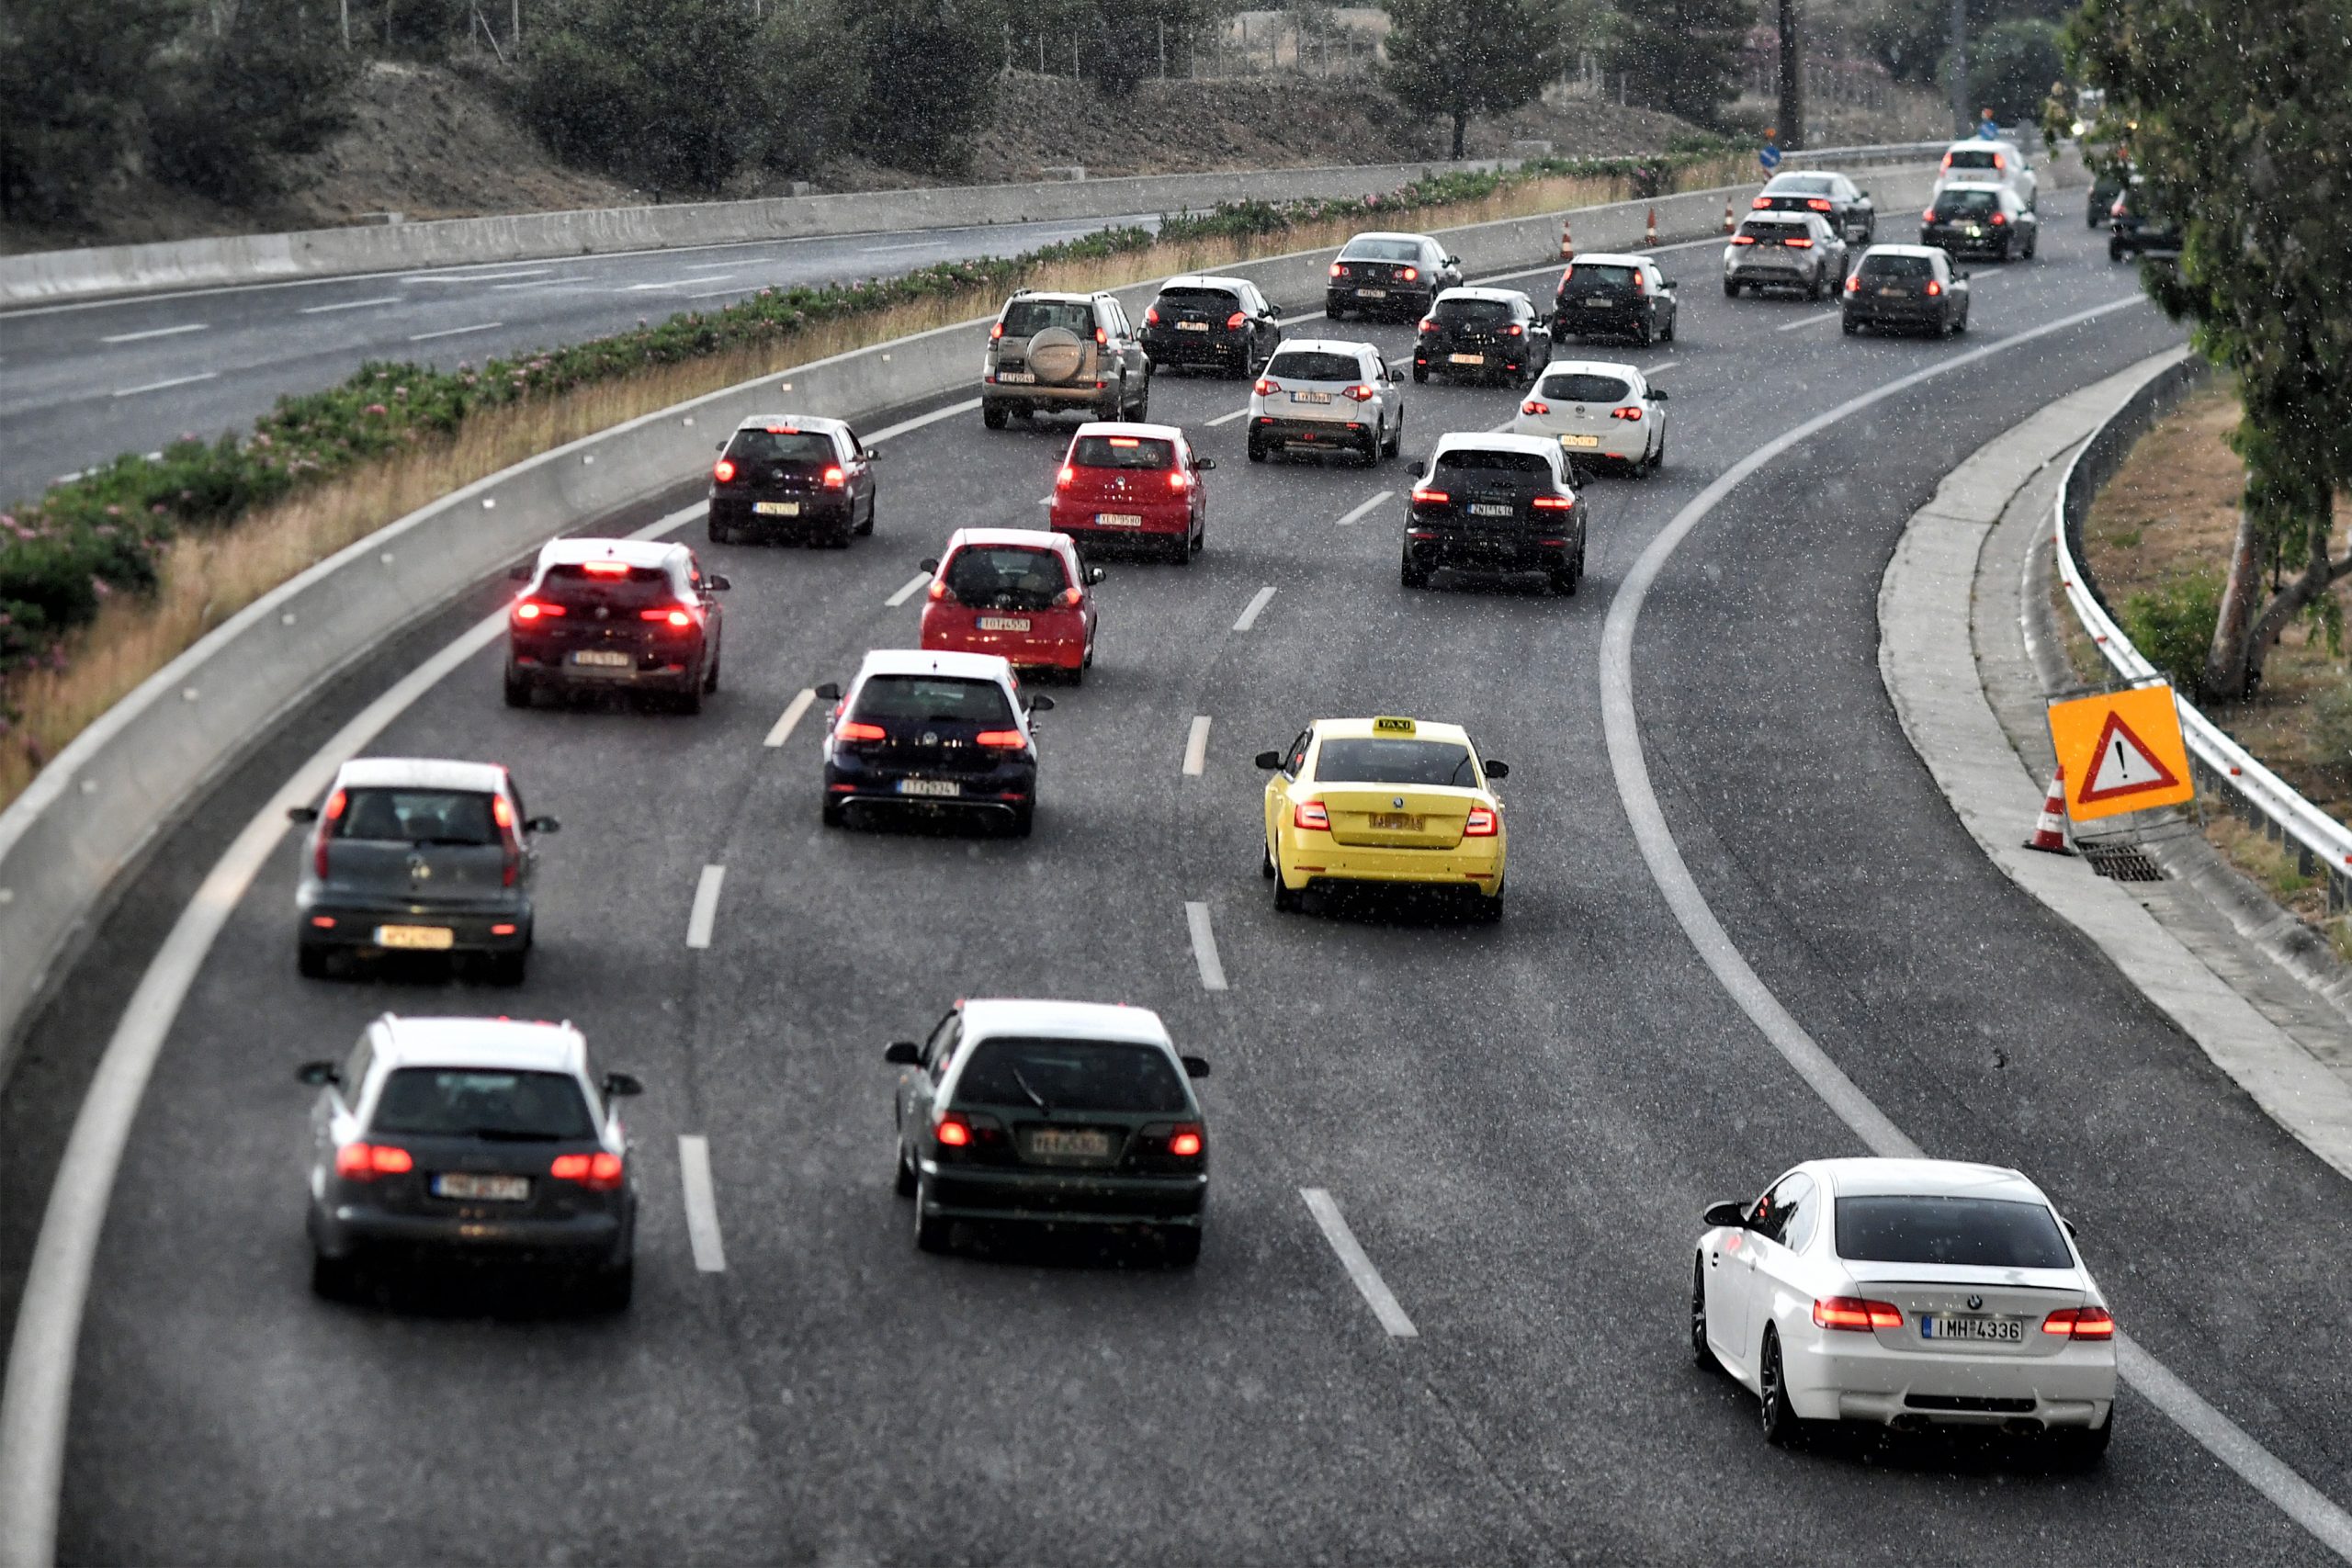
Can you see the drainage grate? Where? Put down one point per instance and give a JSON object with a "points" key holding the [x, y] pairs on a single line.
{"points": [[2124, 863]]}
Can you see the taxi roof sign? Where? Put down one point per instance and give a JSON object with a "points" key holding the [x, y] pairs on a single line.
{"points": [[2122, 751], [1392, 726]]}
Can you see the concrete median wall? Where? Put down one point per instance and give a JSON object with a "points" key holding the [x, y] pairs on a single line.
{"points": [[92, 812]]}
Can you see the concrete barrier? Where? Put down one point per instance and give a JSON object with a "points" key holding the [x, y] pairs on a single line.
{"points": [[92, 812]]}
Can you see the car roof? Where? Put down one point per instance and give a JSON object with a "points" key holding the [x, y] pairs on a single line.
{"points": [[1065, 296], [1362, 730], [1499, 296], [420, 773], [1494, 441], [1026, 539], [1389, 234], [1324, 346], [634, 552], [1609, 258], [1928, 251], [1597, 367], [1995, 141], [994, 1017], [1779, 215], [921, 661], [1127, 427], [1791, 176], [522, 1045], [809, 422], [1203, 280], [1864, 1177]]}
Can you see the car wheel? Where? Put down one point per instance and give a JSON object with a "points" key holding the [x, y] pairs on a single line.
{"points": [[518, 690], [507, 968], [1731, 289], [1257, 451], [1371, 452], [833, 814], [1849, 326], [333, 1279], [1397, 436], [1783, 1429], [1646, 334], [1025, 818], [1180, 1244], [1411, 576], [710, 676], [1673, 318], [1699, 1351], [1961, 325], [903, 1181], [1421, 373], [719, 532], [1286, 901], [865, 529], [310, 960], [992, 416], [1564, 582], [1143, 404], [930, 1232], [2114, 252], [610, 1290], [1488, 908], [1265, 863], [2081, 1448]]}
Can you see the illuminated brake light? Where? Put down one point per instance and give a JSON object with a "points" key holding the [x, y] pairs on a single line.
{"points": [[952, 1132], [939, 592], [1361, 392], [1424, 496], [2080, 1323], [1798, 243], [1934, 289], [1067, 477], [327, 819], [1101, 339], [1555, 504], [722, 470], [1235, 322], [1928, 215], [1639, 287], [1535, 406], [2000, 161], [502, 813], [1428, 323], [1819, 203], [1631, 410], [1152, 316], [1073, 597], [606, 568], [1856, 1314], [1177, 479], [1266, 384], [1312, 815], [365, 1162], [1001, 740], [674, 615], [1514, 330], [1125, 441], [835, 479], [1743, 239], [1760, 204], [1338, 271], [1480, 824], [599, 1172], [1410, 273], [857, 729], [1854, 284], [533, 609], [996, 331], [1184, 1142]]}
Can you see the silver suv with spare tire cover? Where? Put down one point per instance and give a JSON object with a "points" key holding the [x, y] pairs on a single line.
{"points": [[1056, 352]]}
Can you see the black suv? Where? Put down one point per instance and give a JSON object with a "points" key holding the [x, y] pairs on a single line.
{"points": [[1483, 335], [1614, 296], [2137, 227], [792, 474], [615, 614], [1495, 503], [1223, 324]]}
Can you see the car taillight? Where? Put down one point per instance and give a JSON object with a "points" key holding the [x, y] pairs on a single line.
{"points": [[1639, 287], [723, 471], [1152, 315], [1360, 393], [535, 609], [1631, 410], [2118, 209], [1264, 384], [835, 479], [857, 729], [1819, 203], [1762, 204], [996, 331], [1934, 289], [1312, 815], [2000, 220], [1928, 215], [1854, 284], [1855, 1313], [1535, 406], [2000, 161], [606, 568], [365, 1162], [2080, 1323], [1555, 503], [1073, 597], [1185, 1142], [1480, 823], [1743, 239], [1338, 271], [1428, 323], [1235, 322], [1798, 243], [1101, 339], [1177, 479], [599, 1172], [1514, 330], [1410, 273], [1001, 740], [1424, 496], [952, 1131], [675, 617], [327, 819], [1067, 477], [939, 593]]}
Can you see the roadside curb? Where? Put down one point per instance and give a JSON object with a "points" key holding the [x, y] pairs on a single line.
{"points": [[1930, 662]]}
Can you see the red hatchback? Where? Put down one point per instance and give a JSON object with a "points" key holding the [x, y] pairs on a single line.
{"points": [[1018, 593], [1132, 481]]}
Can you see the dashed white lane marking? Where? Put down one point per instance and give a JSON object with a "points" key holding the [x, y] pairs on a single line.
{"points": [[475, 276], [1257, 605], [792, 712], [702, 1204], [1230, 418], [1809, 322], [1360, 512], [349, 305], [878, 250], [456, 332], [156, 331], [1661, 364], [671, 283], [1196, 919], [712, 267], [1368, 1282], [912, 586], [705, 914], [1196, 748], [933, 417], [158, 386], [543, 282]]}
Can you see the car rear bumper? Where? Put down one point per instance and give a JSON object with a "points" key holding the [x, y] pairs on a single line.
{"points": [[1584, 321], [1896, 312], [1081, 520], [965, 1192], [1003, 790], [1215, 347], [1041, 647], [1314, 430], [1399, 298], [1072, 394], [1866, 1381], [829, 510], [679, 670], [1438, 359], [1475, 864], [1629, 443], [347, 1231], [1990, 243], [1754, 276], [1493, 552], [356, 928]]}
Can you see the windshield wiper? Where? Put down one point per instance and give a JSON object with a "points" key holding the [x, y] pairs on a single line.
{"points": [[1031, 1092]]}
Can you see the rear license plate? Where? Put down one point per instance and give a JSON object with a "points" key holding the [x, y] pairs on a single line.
{"points": [[420, 939], [1984, 1330], [603, 659], [1467, 359], [1113, 519], [776, 508], [1310, 397], [1579, 440], [1599, 304], [1371, 294], [1489, 508], [941, 788], [1191, 326], [1070, 1142], [1895, 293], [483, 1189], [1004, 623], [1393, 822], [1016, 378]]}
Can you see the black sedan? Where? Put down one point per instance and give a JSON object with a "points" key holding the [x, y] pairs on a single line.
{"points": [[1843, 205], [1485, 334], [1389, 275], [1216, 323]]}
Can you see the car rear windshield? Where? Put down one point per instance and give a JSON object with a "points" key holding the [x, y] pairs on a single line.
{"points": [[1071, 1075], [1799, 185], [1381, 250], [803, 449], [1385, 761], [1985, 1232], [1577, 387], [1122, 452], [507, 1107], [1973, 158], [1773, 233], [945, 699], [1027, 318], [1474, 313], [1898, 266], [418, 816], [1955, 203], [1599, 276], [1311, 365], [1216, 301], [635, 588], [1474, 465], [1006, 576]]}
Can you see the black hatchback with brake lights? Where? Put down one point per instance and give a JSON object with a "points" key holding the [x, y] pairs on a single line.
{"points": [[1221, 323], [1495, 502], [793, 475], [615, 614], [1482, 333], [1614, 296], [932, 733]]}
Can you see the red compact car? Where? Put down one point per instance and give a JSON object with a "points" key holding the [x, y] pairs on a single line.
{"points": [[1020, 594], [1132, 481]]}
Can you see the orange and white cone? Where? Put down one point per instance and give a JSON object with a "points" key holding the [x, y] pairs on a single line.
{"points": [[1730, 222], [2050, 828], [1567, 245], [1649, 231]]}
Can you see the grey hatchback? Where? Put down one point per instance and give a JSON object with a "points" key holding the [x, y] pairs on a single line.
{"points": [[418, 855]]}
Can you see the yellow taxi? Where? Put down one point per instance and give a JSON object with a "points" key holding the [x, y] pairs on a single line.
{"points": [[1384, 800]]}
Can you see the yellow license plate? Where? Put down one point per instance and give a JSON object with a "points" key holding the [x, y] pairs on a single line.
{"points": [[1393, 822], [421, 939], [1468, 358], [776, 508], [1579, 440]]}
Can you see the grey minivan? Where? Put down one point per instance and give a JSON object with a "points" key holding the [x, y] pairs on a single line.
{"points": [[418, 855]]}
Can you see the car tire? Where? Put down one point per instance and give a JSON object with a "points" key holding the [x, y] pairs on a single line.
{"points": [[710, 676], [833, 814], [1397, 437], [1563, 581], [1699, 1354], [902, 1182], [1411, 576], [2081, 1448], [690, 700], [2114, 252], [1180, 1246], [312, 961], [1673, 319], [333, 1279], [1646, 334], [1961, 325], [1851, 327], [992, 416], [865, 529], [1286, 901], [1421, 374], [518, 690], [1265, 863], [721, 533], [1025, 819], [1257, 450], [507, 968], [610, 1290], [1782, 1426], [1488, 908], [1371, 452], [1143, 404], [931, 1232]]}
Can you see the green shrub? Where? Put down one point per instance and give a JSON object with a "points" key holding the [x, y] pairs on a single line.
{"points": [[2172, 628]]}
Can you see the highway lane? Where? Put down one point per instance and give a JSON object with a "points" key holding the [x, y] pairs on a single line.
{"points": [[80, 383], [1523, 1163]]}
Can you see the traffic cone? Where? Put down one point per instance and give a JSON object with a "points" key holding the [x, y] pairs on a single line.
{"points": [[1567, 245], [2050, 829], [1730, 222], [1649, 232]]}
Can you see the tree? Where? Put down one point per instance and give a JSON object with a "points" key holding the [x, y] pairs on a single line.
{"points": [[1457, 58], [1682, 55], [2011, 66], [668, 90], [818, 88], [932, 66], [268, 81], [2243, 120], [73, 76]]}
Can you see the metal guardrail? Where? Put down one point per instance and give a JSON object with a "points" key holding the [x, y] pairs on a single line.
{"points": [[2257, 796]]}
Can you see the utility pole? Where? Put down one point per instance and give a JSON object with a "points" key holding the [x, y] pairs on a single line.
{"points": [[1957, 57], [1792, 112]]}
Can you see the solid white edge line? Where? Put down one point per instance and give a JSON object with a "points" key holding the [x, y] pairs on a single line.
{"points": [[2286, 1490], [1368, 1282], [1810, 321], [702, 1204], [1257, 603], [349, 305], [472, 276], [1196, 747], [156, 331], [782, 728], [1360, 513], [907, 590], [543, 282], [158, 386], [703, 916], [1230, 418], [456, 332], [933, 417], [1196, 920], [37, 1393]]}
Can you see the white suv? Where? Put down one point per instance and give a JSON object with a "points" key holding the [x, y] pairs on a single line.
{"points": [[1323, 394]]}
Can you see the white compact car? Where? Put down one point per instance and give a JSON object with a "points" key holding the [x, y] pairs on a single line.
{"points": [[1909, 1293], [1599, 411], [1975, 158], [1327, 394]]}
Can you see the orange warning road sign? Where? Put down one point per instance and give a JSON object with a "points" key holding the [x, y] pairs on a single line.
{"points": [[2122, 751]]}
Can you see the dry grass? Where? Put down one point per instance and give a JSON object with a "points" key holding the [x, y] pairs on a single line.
{"points": [[206, 579]]}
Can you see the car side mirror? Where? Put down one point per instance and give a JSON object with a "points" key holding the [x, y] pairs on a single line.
{"points": [[318, 1074], [1095, 574], [718, 583], [719, 446], [1497, 768], [1269, 761], [1732, 1215], [1205, 464], [1041, 703], [1658, 395], [902, 1053], [1669, 283], [831, 691], [928, 563], [521, 573], [873, 454], [618, 1085], [2070, 1226], [544, 825], [301, 814], [1453, 261], [1196, 1066], [1415, 467], [1960, 278]]}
